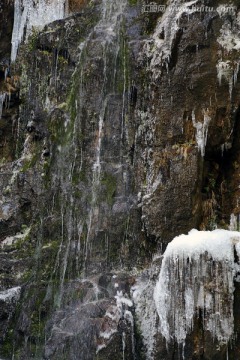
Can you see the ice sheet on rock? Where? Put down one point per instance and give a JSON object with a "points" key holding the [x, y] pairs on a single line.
{"points": [[113, 315], [31, 15], [145, 310], [10, 240], [10, 295], [122, 300], [229, 40], [197, 274], [160, 47], [229, 34]]}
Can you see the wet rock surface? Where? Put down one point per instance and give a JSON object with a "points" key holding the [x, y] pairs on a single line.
{"points": [[118, 132]]}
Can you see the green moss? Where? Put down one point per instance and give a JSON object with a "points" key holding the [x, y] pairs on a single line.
{"points": [[28, 164], [72, 97], [123, 63], [45, 53], [109, 183], [32, 40], [7, 346], [62, 60], [133, 2]]}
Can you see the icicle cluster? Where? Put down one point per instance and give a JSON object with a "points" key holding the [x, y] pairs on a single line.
{"points": [[31, 15], [146, 315], [196, 279], [201, 130], [159, 49], [229, 40]]}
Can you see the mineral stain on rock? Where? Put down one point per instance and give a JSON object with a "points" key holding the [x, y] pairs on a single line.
{"points": [[119, 131]]}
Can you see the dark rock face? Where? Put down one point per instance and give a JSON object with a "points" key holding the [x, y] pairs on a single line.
{"points": [[124, 135]]}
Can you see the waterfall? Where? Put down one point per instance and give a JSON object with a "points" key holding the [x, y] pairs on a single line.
{"points": [[196, 280], [80, 218], [108, 29], [31, 16]]}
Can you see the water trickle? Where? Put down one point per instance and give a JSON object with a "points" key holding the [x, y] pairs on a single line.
{"points": [[123, 345], [108, 28]]}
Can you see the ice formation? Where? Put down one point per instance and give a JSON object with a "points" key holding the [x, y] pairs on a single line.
{"points": [[122, 310], [229, 34], [165, 33], [229, 40], [196, 279], [10, 295], [201, 130], [146, 316], [31, 15], [2, 100], [11, 240]]}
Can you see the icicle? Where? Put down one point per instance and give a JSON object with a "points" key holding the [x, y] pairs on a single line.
{"points": [[236, 71], [233, 223], [223, 70], [123, 345], [201, 130], [2, 100], [6, 72], [222, 149], [129, 317]]}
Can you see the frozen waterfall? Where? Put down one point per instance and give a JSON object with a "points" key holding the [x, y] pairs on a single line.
{"points": [[196, 279], [30, 15]]}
